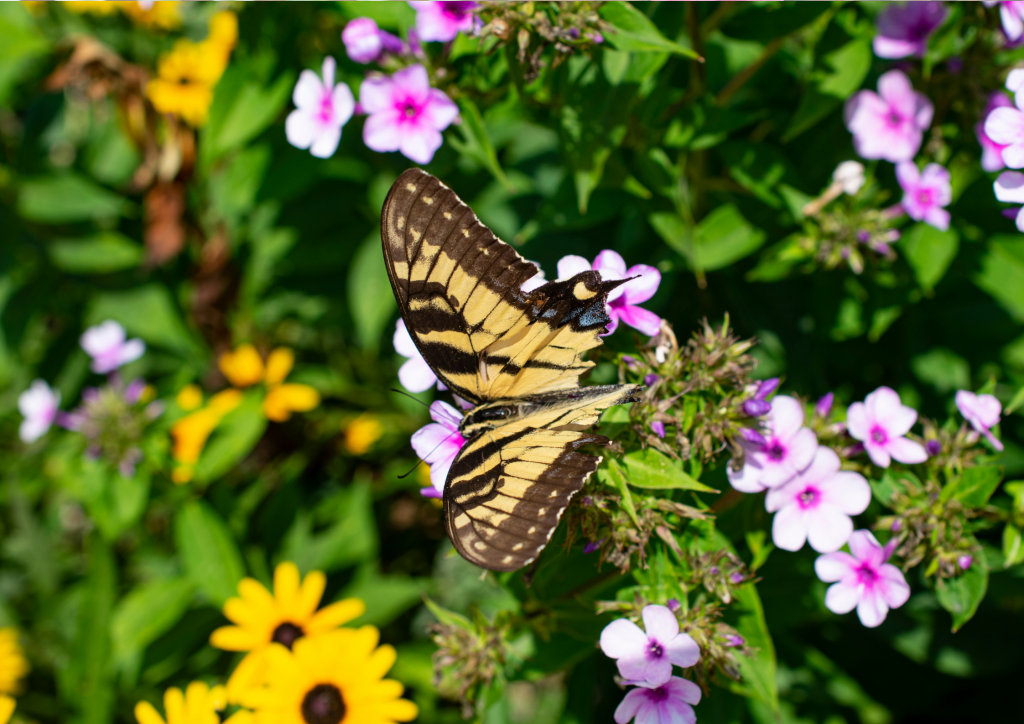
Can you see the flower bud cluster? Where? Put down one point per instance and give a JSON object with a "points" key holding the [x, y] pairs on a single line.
{"points": [[841, 236]]}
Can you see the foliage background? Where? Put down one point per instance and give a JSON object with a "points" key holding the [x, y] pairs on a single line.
{"points": [[696, 168]]}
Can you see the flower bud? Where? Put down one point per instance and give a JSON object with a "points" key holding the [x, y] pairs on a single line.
{"points": [[593, 545], [933, 448], [673, 605], [752, 436], [630, 362], [824, 405], [362, 40], [651, 379], [849, 175], [658, 427], [756, 408], [766, 388], [964, 562], [734, 640]]}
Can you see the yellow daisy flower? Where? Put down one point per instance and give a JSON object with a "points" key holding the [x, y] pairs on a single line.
{"points": [[333, 678], [186, 79], [191, 432], [224, 30], [284, 617], [13, 665], [244, 367], [198, 705], [6, 709], [162, 14]]}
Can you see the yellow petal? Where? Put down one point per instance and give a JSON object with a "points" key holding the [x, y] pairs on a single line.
{"points": [[241, 717], [219, 697], [380, 662], [144, 713], [7, 709], [330, 617], [197, 698], [286, 584], [279, 364], [310, 593], [235, 638], [189, 398], [224, 29], [174, 705], [362, 432], [283, 400], [225, 401], [243, 367], [249, 674]]}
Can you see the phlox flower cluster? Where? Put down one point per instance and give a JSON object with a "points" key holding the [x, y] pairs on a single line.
{"points": [[645, 659], [403, 112]]}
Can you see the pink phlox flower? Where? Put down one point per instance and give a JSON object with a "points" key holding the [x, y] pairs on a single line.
{"points": [[817, 504], [406, 114], [904, 29], [365, 42], [880, 423], [38, 404], [442, 21], [991, 152], [537, 280], [925, 193], [788, 448], [415, 374], [862, 579], [888, 124], [106, 343], [670, 703], [648, 655], [623, 301], [1009, 188], [1011, 14], [438, 443], [321, 109], [1004, 125], [983, 412]]}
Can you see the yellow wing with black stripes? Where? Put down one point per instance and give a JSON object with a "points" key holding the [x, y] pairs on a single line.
{"points": [[459, 290]]}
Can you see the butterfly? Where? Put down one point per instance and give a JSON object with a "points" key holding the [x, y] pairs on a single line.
{"points": [[515, 356]]}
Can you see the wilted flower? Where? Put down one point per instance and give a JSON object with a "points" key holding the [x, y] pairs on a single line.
{"points": [[438, 443], [991, 152], [817, 504], [442, 21], [107, 345], [904, 28], [1009, 188], [38, 404], [415, 374], [321, 109], [863, 580], [670, 703], [405, 113], [983, 412], [649, 656], [623, 301], [889, 124], [880, 422], [788, 448], [925, 193]]}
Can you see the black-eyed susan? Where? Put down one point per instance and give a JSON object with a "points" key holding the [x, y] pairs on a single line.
{"points": [[334, 678], [13, 665], [186, 77], [284, 617], [199, 704], [191, 432], [244, 367]]}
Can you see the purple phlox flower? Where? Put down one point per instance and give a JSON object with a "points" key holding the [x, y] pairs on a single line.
{"points": [[321, 109], [133, 392], [1009, 188], [850, 176], [862, 579], [38, 404], [991, 152], [629, 361], [365, 42], [593, 545], [734, 640], [824, 405], [648, 655], [788, 448], [925, 193], [107, 345], [438, 443], [964, 562], [983, 412], [1011, 14], [623, 301], [933, 448], [595, 36], [126, 466], [536, 281], [415, 374], [442, 21], [759, 405], [816, 505], [405, 113], [658, 427], [651, 379], [752, 436], [736, 577], [673, 605], [880, 423], [888, 124], [669, 703], [904, 29], [896, 525]]}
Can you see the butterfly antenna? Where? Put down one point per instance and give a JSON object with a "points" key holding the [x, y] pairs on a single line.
{"points": [[403, 392], [423, 460]]}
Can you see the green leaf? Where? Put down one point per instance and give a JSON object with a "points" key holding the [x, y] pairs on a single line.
{"points": [[721, 238], [962, 595], [208, 551], [943, 369], [350, 539], [1013, 545], [253, 107], [881, 320], [386, 597], [67, 198], [1002, 274], [147, 612], [100, 254], [849, 65], [371, 303], [22, 45], [1016, 402], [389, 16], [233, 187], [634, 31], [90, 659], [655, 471], [929, 252], [615, 476], [478, 141], [974, 487], [757, 671], [233, 439], [148, 312], [886, 489]]}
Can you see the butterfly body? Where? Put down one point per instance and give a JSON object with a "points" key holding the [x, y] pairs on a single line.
{"points": [[516, 356]]}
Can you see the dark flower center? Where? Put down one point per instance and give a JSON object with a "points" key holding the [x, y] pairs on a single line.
{"points": [[287, 634], [656, 695], [878, 435], [866, 575], [894, 118], [808, 497], [655, 650], [410, 110], [323, 705], [775, 451]]}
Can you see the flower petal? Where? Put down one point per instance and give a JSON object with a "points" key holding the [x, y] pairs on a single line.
{"points": [[872, 608], [906, 451], [847, 491], [640, 319], [326, 143], [893, 586], [627, 708], [840, 598], [308, 90], [622, 638], [643, 287], [683, 651], [571, 265], [828, 528], [834, 566], [789, 529], [660, 623], [416, 375], [419, 142], [375, 94], [786, 417]]}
